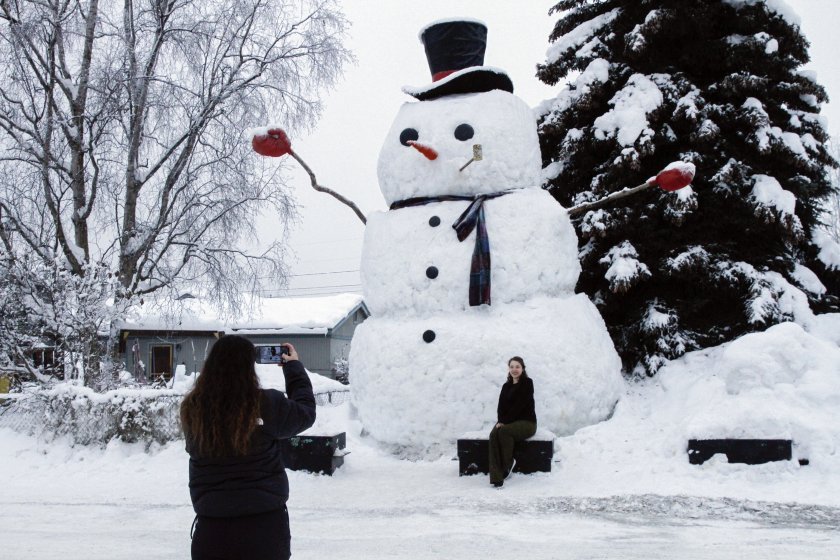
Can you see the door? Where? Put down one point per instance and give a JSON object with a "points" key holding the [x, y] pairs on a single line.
{"points": [[161, 361]]}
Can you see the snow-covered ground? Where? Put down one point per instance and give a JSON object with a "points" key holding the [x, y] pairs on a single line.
{"points": [[619, 489]]}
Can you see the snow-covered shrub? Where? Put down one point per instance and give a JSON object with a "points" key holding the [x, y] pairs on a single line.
{"points": [[132, 415], [341, 370], [90, 418]]}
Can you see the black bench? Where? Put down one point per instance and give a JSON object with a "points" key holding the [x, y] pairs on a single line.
{"points": [[531, 455], [749, 451], [316, 454]]}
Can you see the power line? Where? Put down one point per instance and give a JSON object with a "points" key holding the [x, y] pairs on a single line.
{"points": [[325, 286], [321, 273], [310, 274]]}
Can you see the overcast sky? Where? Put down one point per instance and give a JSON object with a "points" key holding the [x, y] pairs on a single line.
{"points": [[344, 147]]}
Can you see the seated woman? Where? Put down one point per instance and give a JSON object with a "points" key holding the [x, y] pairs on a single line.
{"points": [[516, 420]]}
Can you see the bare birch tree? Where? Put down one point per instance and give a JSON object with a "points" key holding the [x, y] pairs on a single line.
{"points": [[121, 133]]}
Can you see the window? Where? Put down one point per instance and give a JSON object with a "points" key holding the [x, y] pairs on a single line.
{"points": [[43, 357]]}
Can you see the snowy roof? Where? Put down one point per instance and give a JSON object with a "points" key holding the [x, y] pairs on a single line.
{"points": [[309, 315]]}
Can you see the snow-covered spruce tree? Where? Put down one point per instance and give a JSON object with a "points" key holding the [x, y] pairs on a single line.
{"points": [[833, 205], [712, 82]]}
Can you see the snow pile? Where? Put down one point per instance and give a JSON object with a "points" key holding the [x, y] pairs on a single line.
{"points": [[783, 383]]}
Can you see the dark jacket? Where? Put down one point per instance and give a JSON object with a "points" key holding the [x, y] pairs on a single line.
{"points": [[516, 402], [257, 482]]}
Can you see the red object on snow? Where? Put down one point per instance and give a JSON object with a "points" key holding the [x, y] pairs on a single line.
{"points": [[674, 177], [274, 143], [427, 151]]}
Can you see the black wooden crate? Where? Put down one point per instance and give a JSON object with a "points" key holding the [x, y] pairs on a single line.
{"points": [[317, 454], [749, 451], [531, 456]]}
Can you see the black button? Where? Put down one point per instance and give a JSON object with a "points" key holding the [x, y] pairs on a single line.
{"points": [[429, 336], [434, 221], [432, 272]]}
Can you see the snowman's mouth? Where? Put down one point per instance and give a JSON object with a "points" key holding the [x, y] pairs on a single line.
{"points": [[427, 151]]}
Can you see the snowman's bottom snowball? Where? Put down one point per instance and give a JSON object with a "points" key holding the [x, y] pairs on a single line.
{"points": [[419, 397]]}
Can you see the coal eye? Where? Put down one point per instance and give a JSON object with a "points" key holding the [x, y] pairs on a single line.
{"points": [[464, 132], [407, 135]]}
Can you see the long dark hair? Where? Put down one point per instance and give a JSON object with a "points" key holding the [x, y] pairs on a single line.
{"points": [[221, 411], [522, 363]]}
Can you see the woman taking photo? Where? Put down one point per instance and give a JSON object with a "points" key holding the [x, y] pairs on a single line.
{"points": [[516, 420], [238, 482]]}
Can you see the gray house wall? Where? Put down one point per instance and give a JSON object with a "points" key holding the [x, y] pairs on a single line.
{"points": [[342, 334], [314, 350], [317, 352], [188, 349]]}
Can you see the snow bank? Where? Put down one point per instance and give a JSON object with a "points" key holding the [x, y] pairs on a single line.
{"points": [[780, 383]]}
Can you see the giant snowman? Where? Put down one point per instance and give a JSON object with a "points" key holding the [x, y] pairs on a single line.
{"points": [[474, 263]]}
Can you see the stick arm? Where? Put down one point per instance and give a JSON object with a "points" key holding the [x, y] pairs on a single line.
{"points": [[587, 206], [323, 189]]}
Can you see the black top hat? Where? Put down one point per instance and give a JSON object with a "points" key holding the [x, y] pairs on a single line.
{"points": [[455, 51]]}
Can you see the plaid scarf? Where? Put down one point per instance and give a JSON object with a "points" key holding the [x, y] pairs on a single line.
{"points": [[471, 219]]}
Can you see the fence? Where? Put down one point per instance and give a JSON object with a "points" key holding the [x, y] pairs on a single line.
{"points": [[88, 418]]}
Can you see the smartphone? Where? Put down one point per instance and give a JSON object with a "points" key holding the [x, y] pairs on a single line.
{"points": [[270, 354]]}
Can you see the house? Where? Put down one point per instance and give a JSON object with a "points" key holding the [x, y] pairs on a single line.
{"points": [[156, 341]]}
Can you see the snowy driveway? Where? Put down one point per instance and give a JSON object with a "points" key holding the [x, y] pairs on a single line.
{"points": [[624, 527]]}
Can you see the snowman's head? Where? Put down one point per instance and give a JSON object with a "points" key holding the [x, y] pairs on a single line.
{"points": [[430, 141]]}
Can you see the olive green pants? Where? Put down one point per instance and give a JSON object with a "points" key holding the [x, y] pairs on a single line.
{"points": [[501, 446]]}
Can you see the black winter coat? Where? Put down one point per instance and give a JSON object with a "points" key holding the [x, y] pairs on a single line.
{"points": [[516, 402], [257, 482]]}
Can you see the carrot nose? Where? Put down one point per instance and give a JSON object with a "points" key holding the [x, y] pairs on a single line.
{"points": [[427, 151]]}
